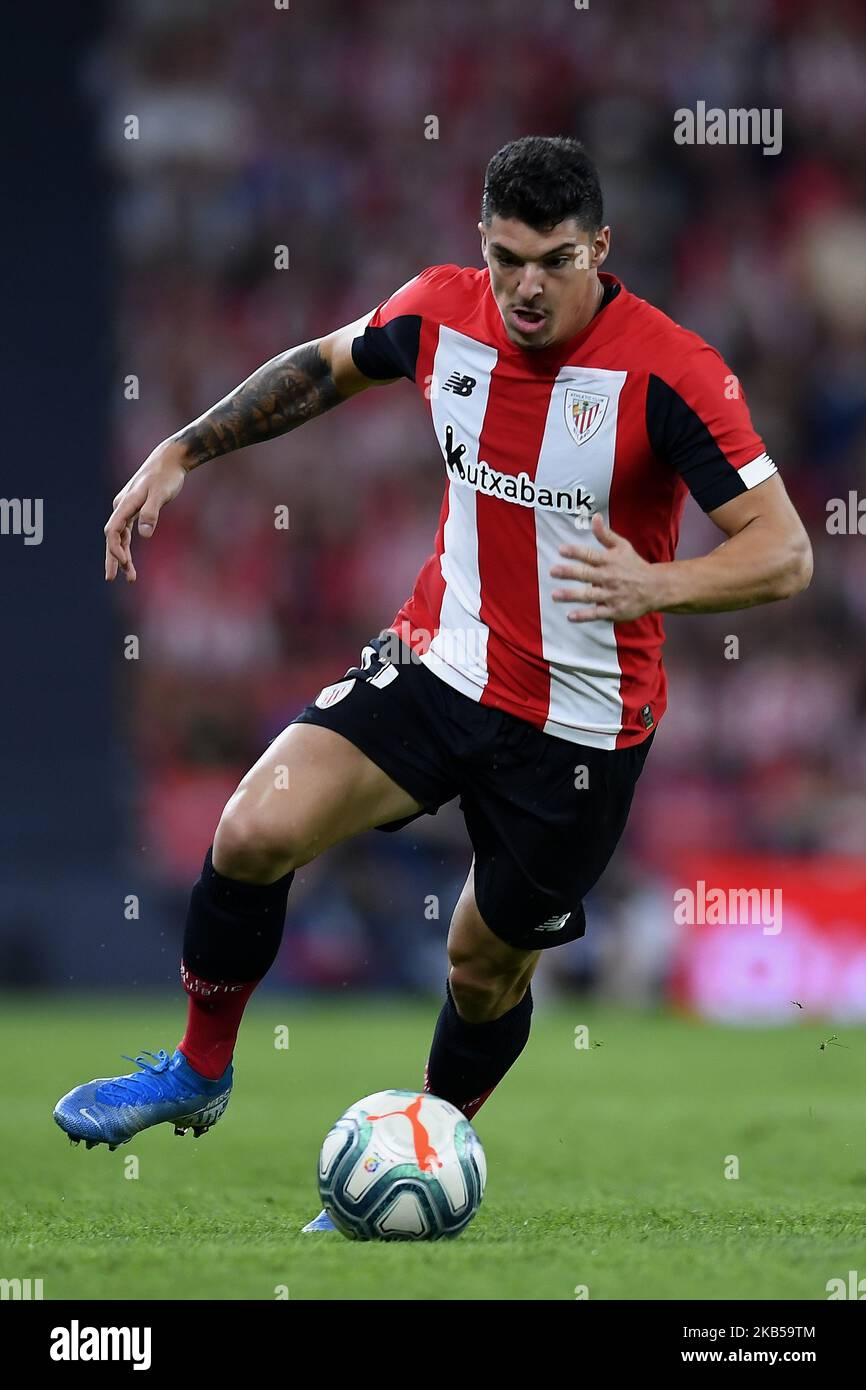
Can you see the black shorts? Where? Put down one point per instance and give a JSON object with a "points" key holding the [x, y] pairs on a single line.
{"points": [[543, 815]]}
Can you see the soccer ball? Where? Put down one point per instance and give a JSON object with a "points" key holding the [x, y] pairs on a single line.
{"points": [[402, 1165]]}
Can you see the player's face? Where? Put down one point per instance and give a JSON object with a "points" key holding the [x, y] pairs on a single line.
{"points": [[545, 283]]}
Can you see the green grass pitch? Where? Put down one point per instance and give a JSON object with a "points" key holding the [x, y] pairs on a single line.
{"points": [[606, 1165]]}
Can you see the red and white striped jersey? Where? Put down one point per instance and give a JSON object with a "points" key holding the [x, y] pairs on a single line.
{"points": [[623, 419]]}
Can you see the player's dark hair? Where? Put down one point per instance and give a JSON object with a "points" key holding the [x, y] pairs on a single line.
{"points": [[540, 180]]}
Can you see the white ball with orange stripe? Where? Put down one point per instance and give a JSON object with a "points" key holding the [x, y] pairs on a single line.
{"points": [[402, 1165]]}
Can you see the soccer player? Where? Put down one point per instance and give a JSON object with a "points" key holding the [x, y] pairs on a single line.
{"points": [[524, 672]]}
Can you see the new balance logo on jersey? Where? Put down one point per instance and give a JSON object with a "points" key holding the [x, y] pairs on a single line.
{"points": [[459, 384], [554, 923], [518, 488]]}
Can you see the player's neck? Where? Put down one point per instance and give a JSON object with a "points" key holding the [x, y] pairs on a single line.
{"points": [[589, 309]]}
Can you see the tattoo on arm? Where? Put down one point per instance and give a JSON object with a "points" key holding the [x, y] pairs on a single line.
{"points": [[291, 388]]}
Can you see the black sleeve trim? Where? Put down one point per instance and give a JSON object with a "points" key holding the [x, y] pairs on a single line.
{"points": [[383, 353], [678, 435]]}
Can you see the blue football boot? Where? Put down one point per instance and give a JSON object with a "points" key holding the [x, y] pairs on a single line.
{"points": [[111, 1110], [322, 1222]]}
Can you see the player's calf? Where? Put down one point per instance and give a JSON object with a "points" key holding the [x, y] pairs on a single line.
{"points": [[488, 977], [484, 1024], [482, 995], [310, 790]]}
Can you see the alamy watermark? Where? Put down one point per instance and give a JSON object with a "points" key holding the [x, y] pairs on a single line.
{"points": [[77, 1343], [702, 906], [736, 126], [20, 1289], [22, 516]]}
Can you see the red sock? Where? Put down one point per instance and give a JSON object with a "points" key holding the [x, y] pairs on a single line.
{"points": [[212, 1022]]}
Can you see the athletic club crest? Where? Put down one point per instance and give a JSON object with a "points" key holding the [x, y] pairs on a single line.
{"points": [[333, 694], [584, 412]]}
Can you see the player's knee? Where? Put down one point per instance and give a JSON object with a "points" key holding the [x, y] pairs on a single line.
{"points": [[481, 994], [249, 847]]}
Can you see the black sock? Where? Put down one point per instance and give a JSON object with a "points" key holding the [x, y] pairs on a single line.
{"points": [[233, 929], [467, 1060], [233, 933]]}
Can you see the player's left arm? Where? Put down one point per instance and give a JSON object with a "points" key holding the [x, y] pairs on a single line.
{"points": [[700, 428], [767, 556]]}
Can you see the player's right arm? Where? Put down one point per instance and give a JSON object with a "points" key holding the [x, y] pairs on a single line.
{"points": [[290, 389]]}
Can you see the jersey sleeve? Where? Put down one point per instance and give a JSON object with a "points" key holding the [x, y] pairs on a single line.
{"points": [[698, 421], [388, 347]]}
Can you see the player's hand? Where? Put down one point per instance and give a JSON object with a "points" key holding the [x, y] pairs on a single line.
{"points": [[615, 583], [158, 480]]}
